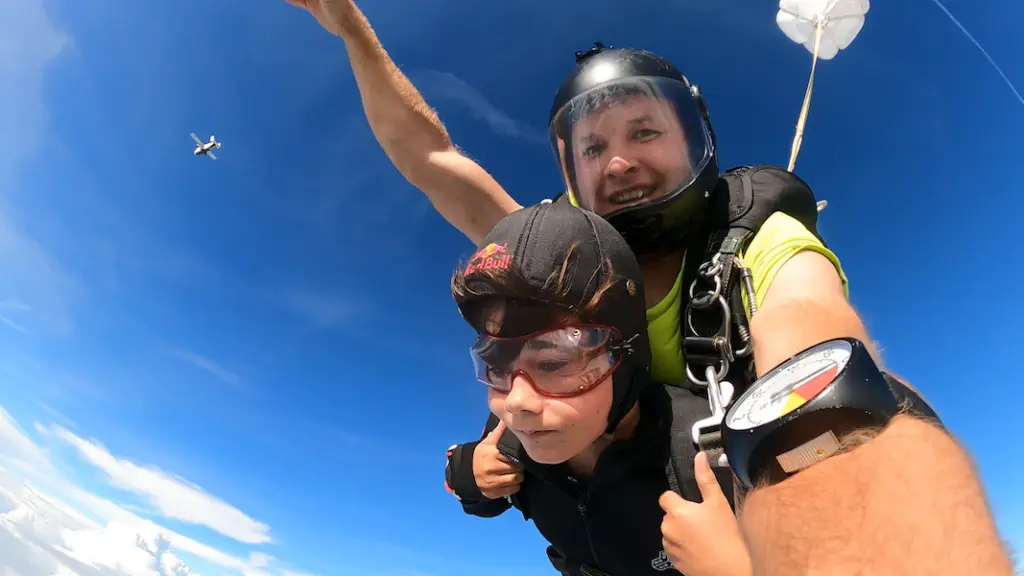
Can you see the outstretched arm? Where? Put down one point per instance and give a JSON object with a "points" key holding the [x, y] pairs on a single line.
{"points": [[905, 502], [409, 130]]}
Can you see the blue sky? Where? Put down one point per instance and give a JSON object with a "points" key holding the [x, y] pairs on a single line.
{"points": [[254, 365]]}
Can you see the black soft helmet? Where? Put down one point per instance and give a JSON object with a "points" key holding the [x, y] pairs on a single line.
{"points": [[634, 141]]}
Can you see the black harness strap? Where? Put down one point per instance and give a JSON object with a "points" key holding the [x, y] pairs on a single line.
{"points": [[743, 200], [689, 406]]}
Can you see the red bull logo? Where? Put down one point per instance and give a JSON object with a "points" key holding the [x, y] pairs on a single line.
{"points": [[490, 257]]}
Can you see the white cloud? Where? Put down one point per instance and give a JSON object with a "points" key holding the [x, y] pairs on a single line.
{"points": [[118, 547], [172, 497], [28, 43], [204, 363], [32, 278], [42, 533], [9, 308], [18, 450], [13, 325], [319, 309], [437, 85], [42, 286]]}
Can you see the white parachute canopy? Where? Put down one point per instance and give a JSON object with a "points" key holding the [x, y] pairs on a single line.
{"points": [[839, 20], [824, 27]]}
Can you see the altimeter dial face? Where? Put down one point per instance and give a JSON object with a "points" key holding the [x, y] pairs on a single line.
{"points": [[790, 386]]}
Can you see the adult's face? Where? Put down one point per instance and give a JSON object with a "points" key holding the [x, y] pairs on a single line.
{"points": [[629, 153], [631, 142]]}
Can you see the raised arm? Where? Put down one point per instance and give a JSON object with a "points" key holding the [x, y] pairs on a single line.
{"points": [[409, 130], [906, 501]]}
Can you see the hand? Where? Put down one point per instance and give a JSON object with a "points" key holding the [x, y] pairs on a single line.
{"points": [[703, 539], [331, 14], [495, 475]]}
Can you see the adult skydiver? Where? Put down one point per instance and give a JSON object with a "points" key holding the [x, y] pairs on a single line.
{"points": [[802, 273], [646, 172]]}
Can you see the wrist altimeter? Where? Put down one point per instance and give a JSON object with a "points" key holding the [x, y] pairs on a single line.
{"points": [[796, 415]]}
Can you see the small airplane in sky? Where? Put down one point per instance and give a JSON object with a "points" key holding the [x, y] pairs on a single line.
{"points": [[822, 204], [205, 147]]}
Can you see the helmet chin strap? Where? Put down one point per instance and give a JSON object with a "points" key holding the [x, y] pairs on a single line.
{"points": [[624, 401]]}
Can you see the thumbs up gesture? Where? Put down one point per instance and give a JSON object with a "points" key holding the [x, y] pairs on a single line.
{"points": [[703, 539], [495, 475]]}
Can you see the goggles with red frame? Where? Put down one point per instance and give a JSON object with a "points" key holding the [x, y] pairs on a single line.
{"points": [[559, 362]]}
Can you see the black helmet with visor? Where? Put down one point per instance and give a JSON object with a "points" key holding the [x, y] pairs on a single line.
{"points": [[635, 144]]}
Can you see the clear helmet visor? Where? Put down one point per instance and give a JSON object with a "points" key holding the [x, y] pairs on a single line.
{"points": [[630, 142]]}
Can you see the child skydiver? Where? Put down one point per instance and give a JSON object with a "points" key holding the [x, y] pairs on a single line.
{"points": [[556, 297]]}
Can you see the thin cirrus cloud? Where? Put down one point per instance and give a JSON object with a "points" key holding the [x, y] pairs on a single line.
{"points": [[33, 280], [437, 85], [207, 365], [317, 308]]}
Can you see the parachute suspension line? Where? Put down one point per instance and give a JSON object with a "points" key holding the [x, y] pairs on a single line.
{"points": [[802, 121]]}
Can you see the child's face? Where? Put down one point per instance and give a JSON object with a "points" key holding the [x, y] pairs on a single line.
{"points": [[551, 429]]}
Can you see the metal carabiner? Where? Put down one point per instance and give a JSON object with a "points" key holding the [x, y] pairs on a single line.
{"points": [[721, 340], [706, 299], [707, 432]]}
